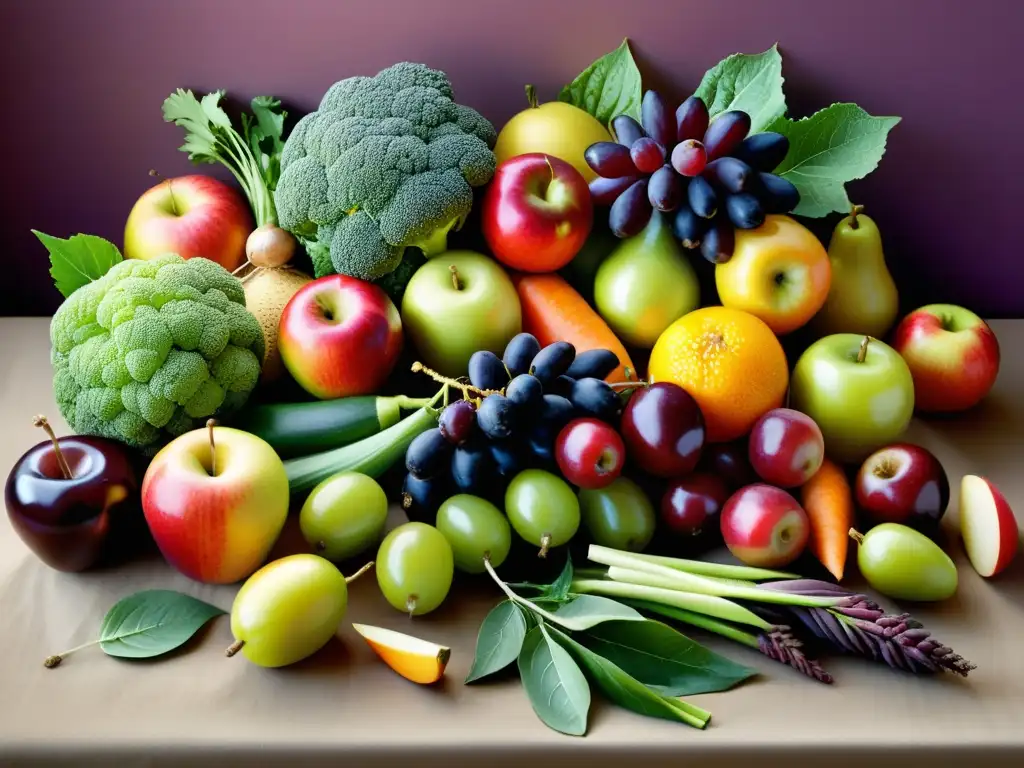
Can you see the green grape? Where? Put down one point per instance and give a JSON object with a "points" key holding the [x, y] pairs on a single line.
{"points": [[415, 567], [542, 508], [474, 528], [619, 515], [344, 515]]}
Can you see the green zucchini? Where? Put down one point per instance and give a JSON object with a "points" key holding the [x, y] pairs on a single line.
{"points": [[371, 456], [301, 429]]}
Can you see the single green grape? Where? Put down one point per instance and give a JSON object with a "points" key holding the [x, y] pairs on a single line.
{"points": [[619, 515], [288, 610], [415, 568], [542, 508], [475, 529], [344, 515], [904, 564]]}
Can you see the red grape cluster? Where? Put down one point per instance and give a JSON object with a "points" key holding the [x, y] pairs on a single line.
{"points": [[709, 173]]}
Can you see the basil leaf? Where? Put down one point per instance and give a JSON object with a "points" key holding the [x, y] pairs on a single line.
{"points": [[587, 611], [835, 145], [609, 87], [628, 692], [663, 658], [751, 83], [499, 640], [554, 683], [78, 260], [153, 622]]}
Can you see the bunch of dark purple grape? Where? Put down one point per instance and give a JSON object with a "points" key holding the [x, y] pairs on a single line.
{"points": [[507, 421], [710, 174]]}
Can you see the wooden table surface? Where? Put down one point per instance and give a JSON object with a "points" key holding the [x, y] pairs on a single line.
{"points": [[344, 707]]}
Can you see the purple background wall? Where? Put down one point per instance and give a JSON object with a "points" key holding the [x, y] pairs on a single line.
{"points": [[81, 84]]}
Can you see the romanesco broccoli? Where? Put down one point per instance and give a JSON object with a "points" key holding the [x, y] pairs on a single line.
{"points": [[384, 163], [152, 348]]}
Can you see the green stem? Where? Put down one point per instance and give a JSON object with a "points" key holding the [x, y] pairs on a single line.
{"points": [[700, 620], [701, 568], [52, 661], [709, 605], [437, 241], [516, 598], [688, 582], [692, 714], [389, 409]]}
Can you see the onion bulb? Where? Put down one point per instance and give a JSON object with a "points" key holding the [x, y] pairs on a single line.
{"points": [[269, 246]]}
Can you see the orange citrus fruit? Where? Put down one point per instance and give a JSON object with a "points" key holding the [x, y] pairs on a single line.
{"points": [[729, 361]]}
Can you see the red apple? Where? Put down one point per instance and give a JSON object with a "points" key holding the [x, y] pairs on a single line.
{"points": [[786, 447], [953, 356], [589, 453], [340, 336], [215, 510], [537, 213], [989, 529], [903, 483], [190, 216], [764, 526], [691, 505]]}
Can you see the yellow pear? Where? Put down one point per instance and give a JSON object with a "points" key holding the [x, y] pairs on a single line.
{"points": [[862, 298]]}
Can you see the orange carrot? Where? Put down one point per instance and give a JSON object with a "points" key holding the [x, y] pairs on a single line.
{"points": [[554, 311], [828, 501]]}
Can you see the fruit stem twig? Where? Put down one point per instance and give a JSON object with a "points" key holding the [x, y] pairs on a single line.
{"points": [[856, 536], [170, 191], [360, 572], [234, 648], [455, 277], [531, 95], [854, 212], [210, 424], [545, 545], [52, 661], [863, 351], [465, 388], [628, 384], [62, 462]]}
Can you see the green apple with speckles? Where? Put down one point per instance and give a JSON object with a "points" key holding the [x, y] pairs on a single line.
{"points": [[857, 389]]}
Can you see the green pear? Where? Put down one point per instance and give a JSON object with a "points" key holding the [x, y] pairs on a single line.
{"points": [[904, 564], [862, 298], [646, 284]]}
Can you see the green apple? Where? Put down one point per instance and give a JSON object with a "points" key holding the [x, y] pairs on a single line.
{"points": [[857, 389], [646, 284], [457, 303], [344, 515]]}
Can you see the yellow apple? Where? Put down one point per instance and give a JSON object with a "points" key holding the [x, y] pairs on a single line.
{"points": [[778, 272], [554, 128]]}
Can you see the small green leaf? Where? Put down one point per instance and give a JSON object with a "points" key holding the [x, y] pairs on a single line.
{"points": [[663, 658], [609, 87], [835, 145], [554, 683], [627, 691], [587, 611], [499, 640], [559, 589], [748, 82], [263, 133], [78, 260], [153, 622]]}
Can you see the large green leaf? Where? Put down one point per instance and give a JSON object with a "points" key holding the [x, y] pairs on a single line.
{"points": [[556, 686], [499, 640], [833, 146], [78, 260], [663, 658], [609, 87], [588, 611], [751, 83], [153, 622]]}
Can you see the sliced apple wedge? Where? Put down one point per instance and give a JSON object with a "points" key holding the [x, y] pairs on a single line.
{"points": [[413, 658], [989, 529]]}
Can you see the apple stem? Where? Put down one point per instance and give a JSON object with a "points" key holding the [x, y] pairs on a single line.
{"points": [[545, 545], [531, 95], [863, 351], [455, 277], [210, 424], [628, 384], [170, 191], [360, 572], [62, 462], [856, 536], [854, 212], [53, 661], [234, 648]]}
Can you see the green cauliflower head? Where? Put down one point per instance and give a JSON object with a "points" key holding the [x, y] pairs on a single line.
{"points": [[384, 163], [152, 349]]}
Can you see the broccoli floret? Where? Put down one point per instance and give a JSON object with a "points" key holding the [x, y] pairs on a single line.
{"points": [[152, 348], [385, 163]]}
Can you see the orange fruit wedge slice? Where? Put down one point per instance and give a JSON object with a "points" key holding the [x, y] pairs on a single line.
{"points": [[413, 658]]}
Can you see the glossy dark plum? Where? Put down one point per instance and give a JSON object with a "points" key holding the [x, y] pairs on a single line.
{"points": [[663, 429], [691, 505]]}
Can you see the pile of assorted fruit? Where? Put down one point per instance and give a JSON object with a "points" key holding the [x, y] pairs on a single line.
{"points": [[569, 388]]}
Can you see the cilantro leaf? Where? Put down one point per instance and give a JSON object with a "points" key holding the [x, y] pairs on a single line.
{"points": [[833, 146], [78, 260]]}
